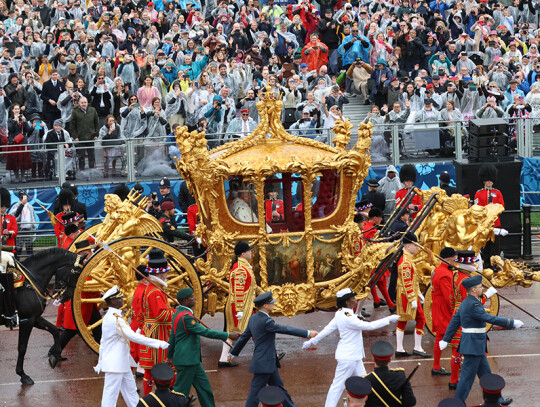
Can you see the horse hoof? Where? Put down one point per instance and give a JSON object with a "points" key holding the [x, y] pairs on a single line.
{"points": [[25, 379], [53, 360]]}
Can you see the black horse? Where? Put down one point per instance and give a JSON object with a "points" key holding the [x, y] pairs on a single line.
{"points": [[40, 268]]}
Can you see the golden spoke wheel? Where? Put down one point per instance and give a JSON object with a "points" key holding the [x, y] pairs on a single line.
{"points": [[491, 305], [84, 235], [105, 269]]}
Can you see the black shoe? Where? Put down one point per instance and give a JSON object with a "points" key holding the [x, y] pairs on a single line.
{"points": [[139, 375], [62, 359], [227, 364], [377, 305], [452, 386], [393, 310], [280, 355], [367, 102], [402, 354], [506, 402], [440, 372], [422, 354], [364, 313], [383, 303]]}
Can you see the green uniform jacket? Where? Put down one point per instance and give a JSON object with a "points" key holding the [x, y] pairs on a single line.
{"points": [[185, 344]]}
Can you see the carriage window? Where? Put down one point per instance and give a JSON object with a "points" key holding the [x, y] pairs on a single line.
{"points": [[241, 200], [325, 194]]}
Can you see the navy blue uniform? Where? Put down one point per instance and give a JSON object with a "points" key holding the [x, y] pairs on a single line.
{"points": [[264, 364], [472, 317]]}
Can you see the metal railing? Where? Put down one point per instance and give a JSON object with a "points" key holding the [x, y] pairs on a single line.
{"points": [[150, 158]]}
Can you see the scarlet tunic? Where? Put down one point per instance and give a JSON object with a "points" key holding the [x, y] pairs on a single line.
{"points": [[192, 212], [441, 310], [157, 318], [136, 316], [241, 295], [369, 230], [86, 310], [415, 201], [407, 288], [11, 224], [59, 228], [483, 197], [280, 208]]}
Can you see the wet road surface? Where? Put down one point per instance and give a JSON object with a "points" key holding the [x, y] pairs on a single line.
{"points": [[307, 374]]}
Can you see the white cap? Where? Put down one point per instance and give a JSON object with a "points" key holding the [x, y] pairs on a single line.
{"points": [[112, 293], [344, 292]]}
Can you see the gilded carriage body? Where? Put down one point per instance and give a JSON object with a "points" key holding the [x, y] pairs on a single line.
{"points": [[293, 198]]}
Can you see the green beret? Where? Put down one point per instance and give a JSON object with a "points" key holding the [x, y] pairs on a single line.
{"points": [[184, 293]]}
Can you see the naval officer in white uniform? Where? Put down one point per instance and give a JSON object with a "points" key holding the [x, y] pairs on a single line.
{"points": [[350, 348], [114, 357]]}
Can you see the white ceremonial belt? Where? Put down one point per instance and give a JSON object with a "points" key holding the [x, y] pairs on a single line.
{"points": [[473, 330]]}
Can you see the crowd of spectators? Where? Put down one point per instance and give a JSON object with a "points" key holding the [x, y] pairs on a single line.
{"points": [[92, 74]]}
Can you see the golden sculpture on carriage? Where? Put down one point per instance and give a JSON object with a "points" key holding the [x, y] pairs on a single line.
{"points": [[293, 199]]}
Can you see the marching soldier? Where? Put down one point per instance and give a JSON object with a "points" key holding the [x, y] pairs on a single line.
{"points": [[407, 175], [472, 317], [492, 385], [136, 309], [465, 260], [114, 359], [242, 292], [488, 176], [185, 348], [409, 298], [66, 202], [163, 375], [156, 315], [168, 223], [358, 389], [8, 223], [271, 396], [441, 309], [388, 385], [350, 349]]}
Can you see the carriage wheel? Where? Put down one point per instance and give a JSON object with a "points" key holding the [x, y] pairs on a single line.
{"points": [[491, 305], [84, 235], [104, 270]]}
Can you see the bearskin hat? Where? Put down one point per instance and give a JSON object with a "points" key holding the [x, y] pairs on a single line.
{"points": [[5, 198], [407, 173], [65, 197], [122, 191], [488, 172]]}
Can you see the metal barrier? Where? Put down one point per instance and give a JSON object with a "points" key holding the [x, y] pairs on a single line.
{"points": [[150, 158]]}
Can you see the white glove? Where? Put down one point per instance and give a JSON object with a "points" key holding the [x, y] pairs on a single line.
{"points": [[239, 315], [504, 232], [490, 291], [306, 345], [393, 318], [421, 298], [414, 304], [443, 345], [198, 240], [517, 323], [497, 231], [56, 302], [163, 345]]}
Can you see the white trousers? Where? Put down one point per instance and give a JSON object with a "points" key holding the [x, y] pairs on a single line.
{"points": [[119, 383], [344, 370]]}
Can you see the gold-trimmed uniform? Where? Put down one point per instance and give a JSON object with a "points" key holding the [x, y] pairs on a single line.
{"points": [[242, 292]]}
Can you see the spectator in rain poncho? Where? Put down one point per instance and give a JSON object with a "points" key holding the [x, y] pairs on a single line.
{"points": [[213, 112], [128, 71], [379, 147], [66, 102], [112, 141], [175, 108], [388, 186], [155, 125], [471, 101], [159, 82], [33, 90], [354, 46], [490, 110]]}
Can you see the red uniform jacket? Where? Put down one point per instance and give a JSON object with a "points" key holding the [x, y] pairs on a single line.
{"points": [[192, 212], [441, 310], [279, 208], [136, 314], [415, 201], [157, 317], [482, 198], [11, 224], [369, 234], [59, 228]]}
